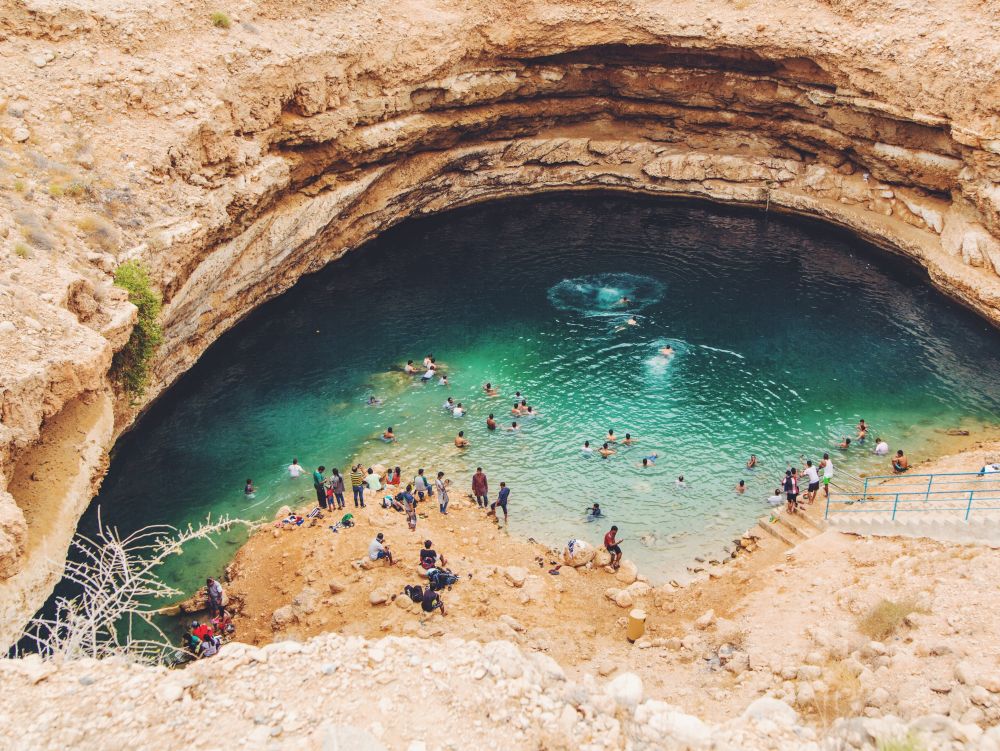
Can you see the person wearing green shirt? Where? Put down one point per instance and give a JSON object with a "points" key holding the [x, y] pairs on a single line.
{"points": [[319, 483]]}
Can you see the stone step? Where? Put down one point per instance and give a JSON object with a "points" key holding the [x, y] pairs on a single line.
{"points": [[785, 520], [769, 528]]}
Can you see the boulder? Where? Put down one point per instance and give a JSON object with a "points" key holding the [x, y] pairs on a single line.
{"points": [[378, 597], [581, 555], [336, 587], [624, 599], [626, 691], [404, 603], [515, 576], [282, 617], [768, 708], [512, 622], [282, 512], [602, 558], [639, 589], [627, 572], [706, 620]]}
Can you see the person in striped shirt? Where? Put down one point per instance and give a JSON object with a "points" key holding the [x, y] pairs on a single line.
{"points": [[358, 485]]}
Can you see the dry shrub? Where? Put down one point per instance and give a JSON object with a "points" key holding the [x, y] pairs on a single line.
{"points": [[22, 251], [221, 20], [842, 697], [908, 742], [99, 231], [885, 618]]}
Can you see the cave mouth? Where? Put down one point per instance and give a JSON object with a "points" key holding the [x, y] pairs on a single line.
{"points": [[786, 332]]}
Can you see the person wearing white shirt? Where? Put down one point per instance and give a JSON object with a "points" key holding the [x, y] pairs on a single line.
{"points": [[295, 469], [827, 466], [813, 475], [881, 447]]}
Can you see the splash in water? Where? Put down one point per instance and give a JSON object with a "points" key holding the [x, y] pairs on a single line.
{"points": [[606, 294]]}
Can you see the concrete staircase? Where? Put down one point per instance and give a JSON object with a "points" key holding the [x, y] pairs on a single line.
{"points": [[791, 529], [947, 526]]}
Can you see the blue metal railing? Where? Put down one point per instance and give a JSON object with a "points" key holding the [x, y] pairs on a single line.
{"points": [[952, 491]]}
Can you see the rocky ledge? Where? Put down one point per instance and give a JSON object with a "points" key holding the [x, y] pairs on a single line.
{"points": [[232, 158], [408, 694]]}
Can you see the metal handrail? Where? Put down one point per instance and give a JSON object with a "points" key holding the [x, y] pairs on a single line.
{"points": [[925, 490]]}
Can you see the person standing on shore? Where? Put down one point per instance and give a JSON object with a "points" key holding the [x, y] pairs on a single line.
{"points": [[791, 490], [827, 466], [337, 488], [501, 502], [612, 546], [319, 485], [358, 486], [442, 489], [480, 488], [214, 590]]}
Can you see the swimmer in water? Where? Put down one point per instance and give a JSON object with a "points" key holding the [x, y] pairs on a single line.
{"points": [[594, 512], [428, 375], [741, 487], [586, 448], [648, 461], [623, 301], [515, 411], [629, 440], [429, 360], [844, 444], [460, 440], [459, 410], [490, 391], [862, 431], [632, 322], [373, 402], [388, 436], [752, 461], [410, 368], [667, 351], [491, 424], [249, 489], [517, 397], [680, 482], [513, 427], [449, 404], [606, 452], [531, 412], [523, 407], [610, 438], [443, 381]]}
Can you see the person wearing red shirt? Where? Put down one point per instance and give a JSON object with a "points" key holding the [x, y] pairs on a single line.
{"points": [[612, 546], [480, 488]]}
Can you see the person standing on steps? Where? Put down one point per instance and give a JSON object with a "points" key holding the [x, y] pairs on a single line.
{"points": [[441, 485], [358, 486], [319, 485], [612, 546], [480, 487], [813, 487], [827, 466], [337, 488]]}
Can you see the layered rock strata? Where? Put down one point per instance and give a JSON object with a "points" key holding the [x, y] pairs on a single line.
{"points": [[233, 160]]}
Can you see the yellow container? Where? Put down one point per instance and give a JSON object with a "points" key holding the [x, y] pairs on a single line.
{"points": [[636, 625]]}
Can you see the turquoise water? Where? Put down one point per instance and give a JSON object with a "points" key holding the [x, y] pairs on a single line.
{"points": [[786, 333]]}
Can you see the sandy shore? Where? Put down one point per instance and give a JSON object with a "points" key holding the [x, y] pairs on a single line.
{"points": [[311, 577]]}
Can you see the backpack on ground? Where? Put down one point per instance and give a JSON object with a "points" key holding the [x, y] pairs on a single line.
{"points": [[414, 591]]}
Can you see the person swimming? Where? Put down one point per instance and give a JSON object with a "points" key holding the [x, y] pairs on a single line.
{"points": [[410, 368], [513, 427], [623, 301], [489, 390], [443, 381], [844, 444], [586, 448], [752, 461], [460, 440], [429, 360], [648, 460], [531, 412], [249, 489], [610, 438], [373, 402], [741, 487], [515, 410], [388, 436], [680, 482], [491, 424], [606, 451], [449, 404], [594, 512], [428, 374], [629, 440], [459, 410], [632, 322], [667, 351]]}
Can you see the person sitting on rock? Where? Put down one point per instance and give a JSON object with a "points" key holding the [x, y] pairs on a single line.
{"points": [[432, 601], [900, 463], [379, 551], [429, 558], [192, 642]]}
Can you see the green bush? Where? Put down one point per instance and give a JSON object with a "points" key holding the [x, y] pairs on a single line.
{"points": [[221, 20], [130, 366]]}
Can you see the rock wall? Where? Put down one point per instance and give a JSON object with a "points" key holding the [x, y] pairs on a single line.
{"points": [[232, 159]]}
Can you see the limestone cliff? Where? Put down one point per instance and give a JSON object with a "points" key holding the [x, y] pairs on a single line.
{"points": [[234, 158]]}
